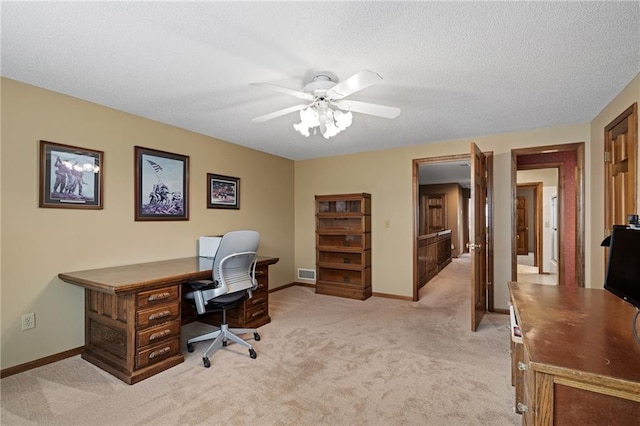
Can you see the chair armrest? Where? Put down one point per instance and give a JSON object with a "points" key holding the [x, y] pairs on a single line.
{"points": [[200, 285]]}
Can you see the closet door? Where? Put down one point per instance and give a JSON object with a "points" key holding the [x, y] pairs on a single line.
{"points": [[620, 166]]}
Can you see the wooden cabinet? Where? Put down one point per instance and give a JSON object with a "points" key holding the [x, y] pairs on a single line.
{"points": [[434, 253], [343, 245], [577, 362]]}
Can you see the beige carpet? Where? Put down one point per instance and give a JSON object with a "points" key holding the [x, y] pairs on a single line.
{"points": [[322, 361]]}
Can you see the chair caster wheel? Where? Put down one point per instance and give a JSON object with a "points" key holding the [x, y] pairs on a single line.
{"points": [[190, 347], [256, 337], [224, 343], [252, 354], [206, 362]]}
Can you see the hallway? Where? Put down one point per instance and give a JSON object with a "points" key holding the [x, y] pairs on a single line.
{"points": [[529, 273]]}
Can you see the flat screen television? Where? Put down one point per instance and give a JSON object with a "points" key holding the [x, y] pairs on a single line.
{"points": [[623, 266]]}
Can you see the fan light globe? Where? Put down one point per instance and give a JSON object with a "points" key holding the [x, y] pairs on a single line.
{"points": [[302, 128], [333, 121]]}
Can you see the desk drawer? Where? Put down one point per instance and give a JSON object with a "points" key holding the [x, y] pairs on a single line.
{"points": [[146, 299], [255, 313], [262, 276], [260, 299], [158, 352], [158, 333], [157, 315]]}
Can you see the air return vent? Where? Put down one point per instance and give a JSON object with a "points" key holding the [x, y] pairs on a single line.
{"points": [[306, 274]]}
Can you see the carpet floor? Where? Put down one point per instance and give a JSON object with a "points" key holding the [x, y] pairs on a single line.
{"points": [[322, 360]]}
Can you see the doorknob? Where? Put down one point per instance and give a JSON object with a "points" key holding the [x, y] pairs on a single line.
{"points": [[474, 246]]}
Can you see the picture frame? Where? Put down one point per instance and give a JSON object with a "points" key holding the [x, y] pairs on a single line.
{"points": [[161, 185], [223, 192], [70, 176]]}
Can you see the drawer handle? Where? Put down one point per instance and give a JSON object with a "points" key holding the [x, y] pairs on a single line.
{"points": [[159, 315], [257, 301], [158, 296], [259, 273], [522, 366], [159, 352], [160, 334], [257, 314], [522, 408]]}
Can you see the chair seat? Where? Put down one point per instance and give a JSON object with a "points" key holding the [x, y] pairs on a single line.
{"points": [[225, 301]]}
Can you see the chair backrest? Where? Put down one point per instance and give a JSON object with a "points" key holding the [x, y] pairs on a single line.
{"points": [[234, 242], [233, 267]]}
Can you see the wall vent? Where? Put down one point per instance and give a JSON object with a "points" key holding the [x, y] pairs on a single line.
{"points": [[306, 274]]}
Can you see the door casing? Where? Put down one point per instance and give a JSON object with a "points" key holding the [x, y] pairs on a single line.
{"points": [[578, 152]]}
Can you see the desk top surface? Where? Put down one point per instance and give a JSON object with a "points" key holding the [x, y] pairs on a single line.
{"points": [[140, 276], [577, 329]]}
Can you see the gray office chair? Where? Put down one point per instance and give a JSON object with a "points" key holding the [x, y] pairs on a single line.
{"points": [[233, 276]]}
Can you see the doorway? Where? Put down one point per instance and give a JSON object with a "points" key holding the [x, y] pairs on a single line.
{"points": [[563, 222], [537, 226], [478, 223]]}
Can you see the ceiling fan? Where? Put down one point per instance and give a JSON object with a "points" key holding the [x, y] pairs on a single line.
{"points": [[326, 107]]}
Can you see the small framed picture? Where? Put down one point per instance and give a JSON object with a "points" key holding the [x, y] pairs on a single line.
{"points": [[70, 177], [161, 185], [223, 192]]}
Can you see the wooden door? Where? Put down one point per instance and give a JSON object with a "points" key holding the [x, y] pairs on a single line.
{"points": [[478, 243], [621, 147], [522, 230]]}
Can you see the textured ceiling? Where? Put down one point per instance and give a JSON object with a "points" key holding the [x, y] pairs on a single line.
{"points": [[455, 69]]}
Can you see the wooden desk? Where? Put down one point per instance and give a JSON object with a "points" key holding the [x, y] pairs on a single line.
{"points": [[133, 313], [579, 363]]}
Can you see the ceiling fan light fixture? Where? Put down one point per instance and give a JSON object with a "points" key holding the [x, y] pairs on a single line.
{"points": [[331, 122]]}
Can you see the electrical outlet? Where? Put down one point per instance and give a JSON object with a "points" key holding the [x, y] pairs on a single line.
{"points": [[28, 321]]}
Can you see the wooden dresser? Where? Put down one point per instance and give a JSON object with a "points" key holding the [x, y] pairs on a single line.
{"points": [[343, 245], [577, 362], [134, 313]]}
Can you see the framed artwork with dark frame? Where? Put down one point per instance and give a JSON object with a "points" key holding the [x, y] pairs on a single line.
{"points": [[161, 185], [223, 192], [70, 177]]}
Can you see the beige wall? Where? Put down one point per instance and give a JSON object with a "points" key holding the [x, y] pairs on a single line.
{"points": [[38, 243], [387, 175], [595, 213]]}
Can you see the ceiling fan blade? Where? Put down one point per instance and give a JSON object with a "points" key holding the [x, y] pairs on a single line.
{"points": [[367, 108], [279, 113], [286, 91], [356, 82]]}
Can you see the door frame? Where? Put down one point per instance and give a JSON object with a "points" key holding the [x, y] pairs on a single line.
{"points": [[416, 217], [577, 149]]}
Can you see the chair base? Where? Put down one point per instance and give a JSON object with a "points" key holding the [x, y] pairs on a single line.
{"points": [[220, 339]]}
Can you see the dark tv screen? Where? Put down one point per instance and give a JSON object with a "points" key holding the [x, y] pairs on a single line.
{"points": [[623, 267]]}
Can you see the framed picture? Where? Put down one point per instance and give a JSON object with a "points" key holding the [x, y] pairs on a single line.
{"points": [[223, 192], [70, 177], [162, 185]]}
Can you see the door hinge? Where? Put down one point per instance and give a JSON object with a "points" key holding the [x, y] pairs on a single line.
{"points": [[607, 156]]}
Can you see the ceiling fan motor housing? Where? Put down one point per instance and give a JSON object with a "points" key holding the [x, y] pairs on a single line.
{"points": [[320, 83]]}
